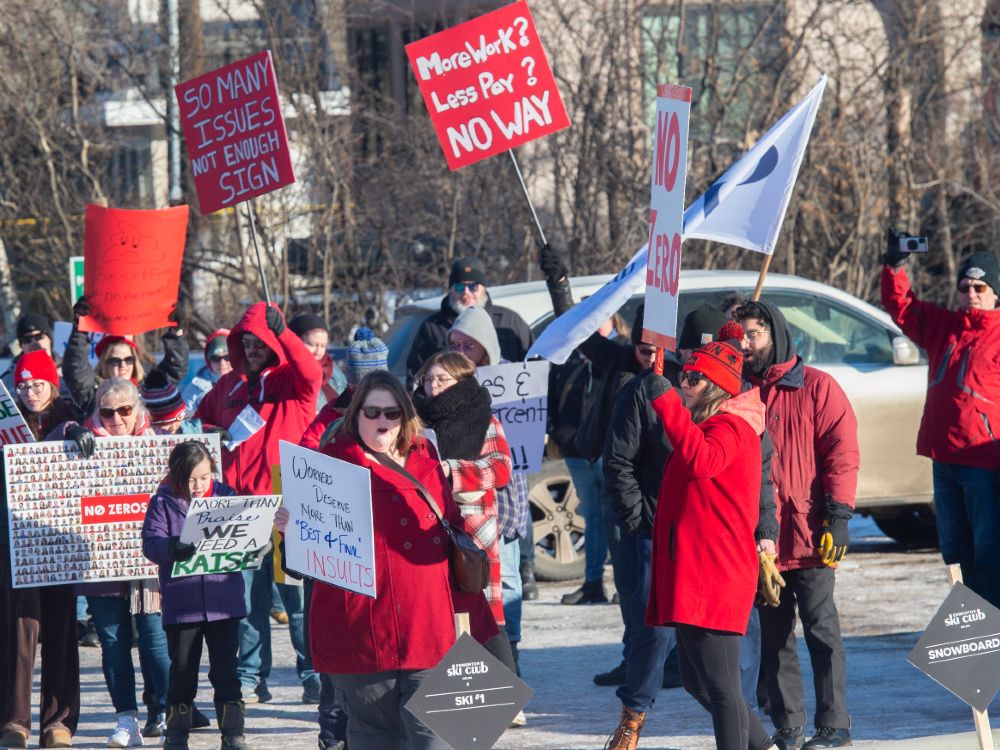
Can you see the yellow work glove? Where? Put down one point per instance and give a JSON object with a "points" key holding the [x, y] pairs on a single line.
{"points": [[833, 542], [769, 580]]}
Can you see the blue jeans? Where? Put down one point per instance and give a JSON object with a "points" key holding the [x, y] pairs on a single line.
{"points": [[968, 523], [255, 629], [114, 628], [750, 659], [588, 478], [647, 647], [510, 585], [621, 546], [81, 609]]}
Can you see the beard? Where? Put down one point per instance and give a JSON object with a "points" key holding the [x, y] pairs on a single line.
{"points": [[459, 307], [758, 363]]}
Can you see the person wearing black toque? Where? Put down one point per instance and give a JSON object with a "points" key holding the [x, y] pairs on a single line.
{"points": [[34, 332]]}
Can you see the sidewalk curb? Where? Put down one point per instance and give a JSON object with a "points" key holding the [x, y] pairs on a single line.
{"points": [[964, 741]]}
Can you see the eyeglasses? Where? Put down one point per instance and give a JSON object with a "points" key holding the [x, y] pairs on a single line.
{"points": [[646, 351], [973, 286], [752, 334], [431, 379], [125, 410], [178, 418], [472, 287], [219, 358], [691, 377], [121, 361], [35, 386], [31, 338], [374, 412]]}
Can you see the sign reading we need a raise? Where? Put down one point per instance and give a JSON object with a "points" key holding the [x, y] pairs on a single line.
{"points": [[234, 132], [230, 533], [487, 85]]}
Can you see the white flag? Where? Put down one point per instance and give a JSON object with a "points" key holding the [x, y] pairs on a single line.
{"points": [[744, 207]]}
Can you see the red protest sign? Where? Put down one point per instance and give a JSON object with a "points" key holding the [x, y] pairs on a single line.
{"points": [[132, 268], [113, 508], [487, 85], [234, 132]]}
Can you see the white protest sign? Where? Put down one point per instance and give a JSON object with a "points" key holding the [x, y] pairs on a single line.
{"points": [[229, 533], [13, 428], [666, 215], [330, 534], [61, 331], [520, 394], [247, 424]]}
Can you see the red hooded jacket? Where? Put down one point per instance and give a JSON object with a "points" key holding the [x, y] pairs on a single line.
{"points": [[284, 395], [961, 420], [704, 566]]}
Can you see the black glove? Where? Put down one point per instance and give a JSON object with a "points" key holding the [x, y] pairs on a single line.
{"points": [[835, 536], [893, 255], [658, 385], [180, 551], [552, 265], [275, 320], [83, 438], [181, 314], [222, 432], [81, 308]]}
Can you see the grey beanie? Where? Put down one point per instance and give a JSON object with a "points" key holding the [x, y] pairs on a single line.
{"points": [[477, 324], [367, 354]]}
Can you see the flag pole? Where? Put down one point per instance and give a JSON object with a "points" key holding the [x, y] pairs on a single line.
{"points": [[256, 249], [761, 277], [531, 206]]}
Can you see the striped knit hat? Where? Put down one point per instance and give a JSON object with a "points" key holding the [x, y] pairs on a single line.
{"points": [[162, 398], [367, 354]]}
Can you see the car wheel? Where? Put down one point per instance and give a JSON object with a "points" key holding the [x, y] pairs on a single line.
{"points": [[912, 525], [557, 525]]}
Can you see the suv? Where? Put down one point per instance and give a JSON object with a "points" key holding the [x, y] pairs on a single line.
{"points": [[833, 331]]}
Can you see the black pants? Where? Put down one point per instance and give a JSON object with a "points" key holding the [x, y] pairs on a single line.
{"points": [[812, 591], [184, 646], [710, 669]]}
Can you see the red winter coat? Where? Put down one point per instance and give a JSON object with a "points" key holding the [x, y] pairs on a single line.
{"points": [[410, 625], [815, 437], [704, 566], [283, 395], [961, 421]]}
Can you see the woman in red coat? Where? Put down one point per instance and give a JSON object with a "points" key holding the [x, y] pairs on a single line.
{"points": [[379, 650], [704, 567]]}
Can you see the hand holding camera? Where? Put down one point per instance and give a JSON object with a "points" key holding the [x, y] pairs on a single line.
{"points": [[899, 245]]}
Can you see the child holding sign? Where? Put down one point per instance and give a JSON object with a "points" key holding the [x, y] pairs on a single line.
{"points": [[198, 607]]}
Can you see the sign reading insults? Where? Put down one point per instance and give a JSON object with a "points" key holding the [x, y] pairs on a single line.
{"points": [[235, 133], [329, 535], [487, 85], [520, 402], [229, 533]]}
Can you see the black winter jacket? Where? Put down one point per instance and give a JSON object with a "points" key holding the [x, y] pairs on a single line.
{"points": [[615, 361], [573, 388]]}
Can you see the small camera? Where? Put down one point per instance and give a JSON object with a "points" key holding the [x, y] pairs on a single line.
{"points": [[909, 243]]}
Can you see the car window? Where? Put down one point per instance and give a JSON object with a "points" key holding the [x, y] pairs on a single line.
{"points": [[826, 332]]}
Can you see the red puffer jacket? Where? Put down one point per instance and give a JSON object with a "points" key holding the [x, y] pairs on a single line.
{"points": [[704, 566], [961, 420], [284, 396], [410, 624]]}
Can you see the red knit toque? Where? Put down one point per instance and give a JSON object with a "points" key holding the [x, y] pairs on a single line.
{"points": [[107, 341], [720, 362], [36, 365]]}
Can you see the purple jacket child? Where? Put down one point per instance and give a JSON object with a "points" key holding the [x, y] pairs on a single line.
{"points": [[191, 598]]}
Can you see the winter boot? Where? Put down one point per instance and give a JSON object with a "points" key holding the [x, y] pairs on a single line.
{"points": [[198, 719], [591, 592], [529, 587], [626, 735], [175, 734], [231, 718]]}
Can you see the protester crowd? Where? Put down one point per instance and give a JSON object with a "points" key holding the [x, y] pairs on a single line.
{"points": [[718, 478]]}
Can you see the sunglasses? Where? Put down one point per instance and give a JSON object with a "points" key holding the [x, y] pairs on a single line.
{"points": [[107, 412], [472, 287], [31, 338], [977, 287], [219, 358], [121, 361], [692, 377], [374, 412]]}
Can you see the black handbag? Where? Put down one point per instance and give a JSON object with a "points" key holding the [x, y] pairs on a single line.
{"points": [[469, 564]]}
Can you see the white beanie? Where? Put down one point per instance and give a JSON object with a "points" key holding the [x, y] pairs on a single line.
{"points": [[477, 324]]}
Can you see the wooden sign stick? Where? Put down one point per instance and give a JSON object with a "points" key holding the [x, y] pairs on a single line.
{"points": [[761, 277], [982, 720]]}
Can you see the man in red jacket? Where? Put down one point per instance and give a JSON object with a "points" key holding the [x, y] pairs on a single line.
{"points": [[960, 427], [269, 396], [815, 469]]}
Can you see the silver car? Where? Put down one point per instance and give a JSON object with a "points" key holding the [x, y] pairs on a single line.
{"points": [[883, 373]]}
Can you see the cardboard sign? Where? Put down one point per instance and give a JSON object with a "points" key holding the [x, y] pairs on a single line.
{"points": [[960, 649], [470, 697], [234, 133], [13, 428], [330, 536], [666, 215], [132, 268], [229, 533], [75, 519], [487, 85], [520, 394], [75, 278]]}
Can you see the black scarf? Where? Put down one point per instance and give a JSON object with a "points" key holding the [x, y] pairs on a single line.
{"points": [[459, 417]]}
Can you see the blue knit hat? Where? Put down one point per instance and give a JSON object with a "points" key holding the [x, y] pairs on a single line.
{"points": [[367, 354]]}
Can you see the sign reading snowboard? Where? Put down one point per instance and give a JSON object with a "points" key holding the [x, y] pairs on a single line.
{"points": [[229, 533], [487, 85]]}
